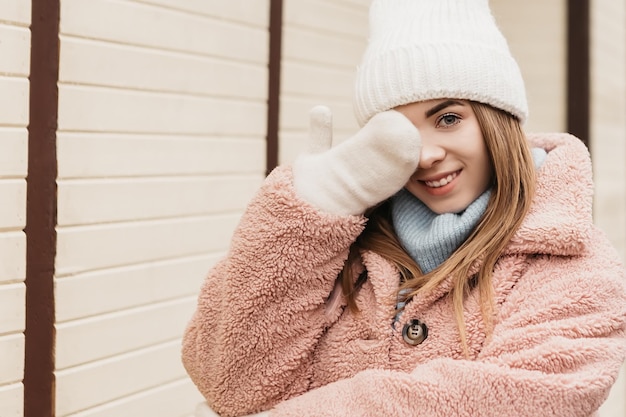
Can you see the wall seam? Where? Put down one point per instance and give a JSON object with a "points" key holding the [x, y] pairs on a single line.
{"points": [[578, 69], [273, 97], [41, 210]]}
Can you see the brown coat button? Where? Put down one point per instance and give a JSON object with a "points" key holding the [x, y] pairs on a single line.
{"points": [[414, 332]]}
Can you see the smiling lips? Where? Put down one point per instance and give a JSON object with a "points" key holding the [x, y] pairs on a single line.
{"points": [[442, 181]]}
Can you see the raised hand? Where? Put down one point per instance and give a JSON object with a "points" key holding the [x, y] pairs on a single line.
{"points": [[363, 170]]}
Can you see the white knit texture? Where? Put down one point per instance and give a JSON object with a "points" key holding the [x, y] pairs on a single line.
{"points": [[427, 49], [363, 170]]}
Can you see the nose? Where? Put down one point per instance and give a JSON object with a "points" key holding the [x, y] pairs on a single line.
{"points": [[431, 154]]}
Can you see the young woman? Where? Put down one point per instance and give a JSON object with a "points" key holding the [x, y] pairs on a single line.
{"points": [[437, 263]]}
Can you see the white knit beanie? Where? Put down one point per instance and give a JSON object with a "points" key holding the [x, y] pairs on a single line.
{"points": [[427, 49]]}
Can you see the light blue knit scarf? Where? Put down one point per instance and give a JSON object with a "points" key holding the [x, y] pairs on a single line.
{"points": [[430, 238]]}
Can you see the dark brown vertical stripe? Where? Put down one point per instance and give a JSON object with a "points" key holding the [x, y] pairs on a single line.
{"points": [[273, 98], [578, 69], [41, 210]]}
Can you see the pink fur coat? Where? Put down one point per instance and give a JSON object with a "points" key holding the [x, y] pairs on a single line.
{"points": [[271, 331]]}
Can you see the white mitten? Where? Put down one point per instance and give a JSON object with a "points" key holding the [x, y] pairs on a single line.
{"points": [[363, 170]]}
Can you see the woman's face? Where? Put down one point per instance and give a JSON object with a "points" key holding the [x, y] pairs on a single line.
{"points": [[454, 167]]}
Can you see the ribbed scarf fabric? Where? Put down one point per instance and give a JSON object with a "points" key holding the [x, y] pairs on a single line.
{"points": [[430, 238]]}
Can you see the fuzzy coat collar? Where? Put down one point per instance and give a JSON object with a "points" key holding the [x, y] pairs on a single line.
{"points": [[560, 218]]}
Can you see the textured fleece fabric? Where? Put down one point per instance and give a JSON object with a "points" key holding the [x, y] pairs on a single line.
{"points": [[271, 330]]}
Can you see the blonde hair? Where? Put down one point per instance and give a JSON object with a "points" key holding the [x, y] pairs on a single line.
{"points": [[513, 183]]}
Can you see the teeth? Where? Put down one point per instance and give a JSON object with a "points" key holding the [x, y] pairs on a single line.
{"points": [[441, 182]]}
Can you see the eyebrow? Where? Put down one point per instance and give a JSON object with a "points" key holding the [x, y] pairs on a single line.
{"points": [[441, 106]]}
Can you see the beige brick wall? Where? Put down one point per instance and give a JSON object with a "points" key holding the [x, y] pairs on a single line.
{"points": [[323, 41], [536, 33], [14, 71], [161, 142]]}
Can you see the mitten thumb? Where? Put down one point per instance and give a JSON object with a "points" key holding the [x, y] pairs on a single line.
{"points": [[320, 129]]}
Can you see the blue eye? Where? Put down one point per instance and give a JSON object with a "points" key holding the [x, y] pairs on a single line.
{"points": [[448, 120]]}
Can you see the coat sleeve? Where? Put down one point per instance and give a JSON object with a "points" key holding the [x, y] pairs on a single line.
{"points": [[556, 350], [262, 309]]}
